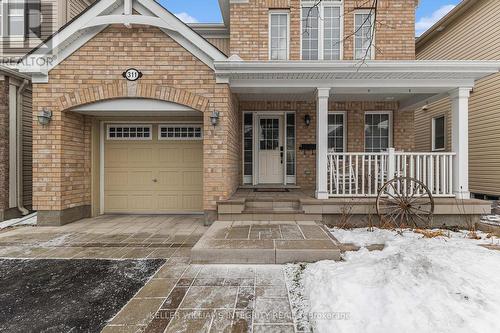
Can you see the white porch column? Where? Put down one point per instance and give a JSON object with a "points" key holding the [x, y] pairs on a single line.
{"points": [[460, 141], [322, 95]]}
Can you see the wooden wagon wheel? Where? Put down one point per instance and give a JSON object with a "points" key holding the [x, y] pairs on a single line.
{"points": [[405, 202]]}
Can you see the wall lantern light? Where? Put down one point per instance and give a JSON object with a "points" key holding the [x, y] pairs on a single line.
{"points": [[307, 120], [214, 118], [44, 117]]}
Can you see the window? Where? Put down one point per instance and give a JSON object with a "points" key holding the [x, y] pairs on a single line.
{"points": [[321, 30], [378, 131], [278, 35], [176, 132], [290, 145], [438, 133], [15, 26], [269, 134], [336, 132], [363, 35], [247, 147], [129, 132]]}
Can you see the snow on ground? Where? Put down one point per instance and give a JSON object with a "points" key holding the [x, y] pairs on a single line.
{"points": [[26, 220], [416, 284]]}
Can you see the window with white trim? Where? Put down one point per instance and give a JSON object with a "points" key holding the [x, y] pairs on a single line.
{"points": [[180, 132], [378, 131], [129, 132], [15, 13], [337, 132], [322, 30], [278, 35], [364, 29], [438, 133]]}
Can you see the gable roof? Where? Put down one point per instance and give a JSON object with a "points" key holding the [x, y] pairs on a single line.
{"points": [[104, 13], [440, 25]]}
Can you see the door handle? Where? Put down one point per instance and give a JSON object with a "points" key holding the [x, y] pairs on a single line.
{"points": [[155, 180], [281, 155]]}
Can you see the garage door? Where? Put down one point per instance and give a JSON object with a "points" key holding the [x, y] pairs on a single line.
{"points": [[153, 169]]}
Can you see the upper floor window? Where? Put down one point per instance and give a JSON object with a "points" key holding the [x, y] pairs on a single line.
{"points": [[364, 28], [321, 30], [20, 18], [278, 35]]}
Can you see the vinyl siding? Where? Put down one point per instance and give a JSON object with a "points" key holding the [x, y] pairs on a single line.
{"points": [[472, 36]]}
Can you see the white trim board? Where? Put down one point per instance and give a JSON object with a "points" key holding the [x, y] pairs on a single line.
{"points": [[107, 12]]}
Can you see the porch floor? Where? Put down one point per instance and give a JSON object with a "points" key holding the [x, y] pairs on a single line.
{"points": [[265, 242]]}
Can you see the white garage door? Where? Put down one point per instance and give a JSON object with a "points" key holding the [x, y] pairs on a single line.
{"points": [[148, 173]]}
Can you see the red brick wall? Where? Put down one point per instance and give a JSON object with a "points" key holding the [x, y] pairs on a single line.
{"points": [[61, 175]]}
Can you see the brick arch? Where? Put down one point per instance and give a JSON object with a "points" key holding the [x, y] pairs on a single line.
{"points": [[97, 93]]}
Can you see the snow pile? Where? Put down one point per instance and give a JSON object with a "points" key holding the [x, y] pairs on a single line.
{"points": [[444, 284], [26, 220]]}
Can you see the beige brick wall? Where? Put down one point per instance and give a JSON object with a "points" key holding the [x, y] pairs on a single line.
{"points": [[394, 40], [62, 166], [4, 143], [306, 161]]}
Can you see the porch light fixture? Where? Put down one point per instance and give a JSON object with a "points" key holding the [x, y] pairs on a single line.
{"points": [[307, 120], [214, 118], [44, 117]]}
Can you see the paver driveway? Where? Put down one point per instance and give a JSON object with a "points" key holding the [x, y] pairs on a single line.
{"points": [[180, 297]]}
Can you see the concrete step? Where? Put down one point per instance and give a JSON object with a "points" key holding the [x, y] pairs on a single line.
{"points": [[270, 216], [254, 204], [230, 242]]}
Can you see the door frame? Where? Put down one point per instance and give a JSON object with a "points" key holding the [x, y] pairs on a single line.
{"points": [[256, 162], [102, 140]]}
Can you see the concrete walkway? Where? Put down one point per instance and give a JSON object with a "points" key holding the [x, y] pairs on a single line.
{"points": [[180, 297]]}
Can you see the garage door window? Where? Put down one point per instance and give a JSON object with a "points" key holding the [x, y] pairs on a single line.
{"points": [[191, 132], [129, 132]]}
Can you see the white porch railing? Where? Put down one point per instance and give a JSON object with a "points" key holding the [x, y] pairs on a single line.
{"points": [[363, 174]]}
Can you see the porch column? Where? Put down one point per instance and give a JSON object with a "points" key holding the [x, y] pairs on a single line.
{"points": [[460, 141], [322, 142]]}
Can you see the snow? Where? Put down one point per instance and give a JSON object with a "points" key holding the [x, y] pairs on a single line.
{"points": [[416, 284], [26, 220]]}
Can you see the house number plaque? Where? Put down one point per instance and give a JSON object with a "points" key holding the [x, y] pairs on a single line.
{"points": [[132, 74]]}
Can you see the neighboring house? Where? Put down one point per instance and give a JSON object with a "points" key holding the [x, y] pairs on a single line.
{"points": [[147, 115], [23, 25], [469, 32]]}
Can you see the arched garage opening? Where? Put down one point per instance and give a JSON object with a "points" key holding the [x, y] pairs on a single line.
{"points": [[147, 156]]}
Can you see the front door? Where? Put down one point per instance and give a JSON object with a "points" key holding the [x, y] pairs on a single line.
{"points": [[271, 150]]}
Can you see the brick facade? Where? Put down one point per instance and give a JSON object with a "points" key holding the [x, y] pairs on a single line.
{"points": [[403, 134], [62, 158], [394, 39]]}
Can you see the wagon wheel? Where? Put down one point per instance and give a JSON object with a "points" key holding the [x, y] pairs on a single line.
{"points": [[405, 202]]}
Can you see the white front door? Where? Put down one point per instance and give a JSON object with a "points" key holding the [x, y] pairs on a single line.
{"points": [[271, 150]]}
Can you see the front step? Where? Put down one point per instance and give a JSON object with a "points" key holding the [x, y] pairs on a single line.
{"points": [[230, 242]]}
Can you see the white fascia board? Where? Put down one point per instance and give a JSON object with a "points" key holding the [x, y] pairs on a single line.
{"points": [[92, 22], [355, 66]]}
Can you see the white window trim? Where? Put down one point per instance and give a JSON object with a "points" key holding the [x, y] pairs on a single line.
{"points": [[391, 126], [372, 50], [160, 138], [280, 12], [433, 133], [344, 125], [321, 32], [130, 125], [7, 16]]}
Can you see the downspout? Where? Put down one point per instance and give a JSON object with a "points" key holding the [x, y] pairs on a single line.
{"points": [[20, 150]]}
